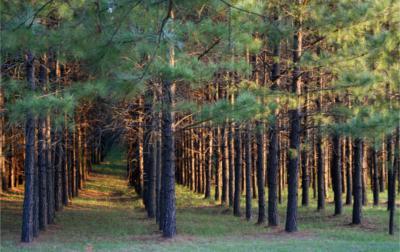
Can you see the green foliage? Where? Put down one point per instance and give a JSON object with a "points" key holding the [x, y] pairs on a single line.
{"points": [[122, 49]]}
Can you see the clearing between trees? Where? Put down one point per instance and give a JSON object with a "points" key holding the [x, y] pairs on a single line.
{"points": [[109, 215]]}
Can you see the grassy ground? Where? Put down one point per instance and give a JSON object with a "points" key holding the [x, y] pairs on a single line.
{"points": [[109, 216]]}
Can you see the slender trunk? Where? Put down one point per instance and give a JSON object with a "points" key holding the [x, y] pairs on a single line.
{"points": [[29, 166], [208, 164], [248, 172], [168, 150], [294, 135], [260, 172], [224, 166], [314, 167], [336, 173], [151, 156], [363, 173], [375, 175], [231, 147], [320, 174], [282, 162], [36, 208], [151, 204], [254, 170], [393, 169], [147, 151], [168, 161], [3, 176], [50, 175], [357, 186], [382, 169], [349, 165], [58, 175], [77, 160], [273, 147], [64, 175], [158, 180], [272, 171], [304, 159], [238, 173], [41, 159]]}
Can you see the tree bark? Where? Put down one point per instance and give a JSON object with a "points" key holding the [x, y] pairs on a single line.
{"points": [[231, 147], [238, 173], [294, 134], [209, 163], [65, 165], [58, 174], [305, 158], [29, 166], [375, 176], [349, 168], [168, 150], [260, 172], [158, 179], [225, 164], [3, 176], [357, 186], [41, 159], [336, 173], [272, 171], [248, 157], [392, 169], [168, 161]]}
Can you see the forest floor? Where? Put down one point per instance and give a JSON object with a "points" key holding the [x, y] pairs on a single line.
{"points": [[109, 216]]}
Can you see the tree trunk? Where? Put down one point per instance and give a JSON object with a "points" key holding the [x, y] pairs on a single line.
{"points": [[382, 169], [225, 164], [304, 158], [3, 176], [65, 165], [320, 174], [336, 173], [146, 149], [357, 186], [209, 162], [363, 173], [294, 134], [58, 174], [168, 150], [375, 176], [231, 148], [29, 166], [158, 179], [260, 172], [43, 207], [393, 168], [272, 171], [150, 154], [248, 172], [349, 165], [168, 161], [238, 173]]}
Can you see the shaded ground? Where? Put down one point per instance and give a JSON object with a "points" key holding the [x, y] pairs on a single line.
{"points": [[110, 216]]}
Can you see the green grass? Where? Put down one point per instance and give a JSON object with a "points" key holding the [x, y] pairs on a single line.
{"points": [[110, 216]]}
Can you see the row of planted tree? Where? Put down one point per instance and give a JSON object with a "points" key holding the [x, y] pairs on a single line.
{"points": [[53, 155], [251, 158], [229, 97]]}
